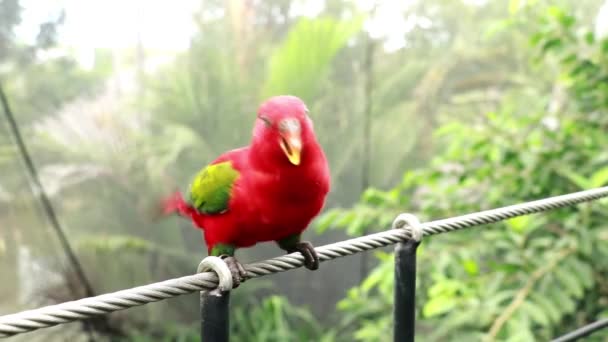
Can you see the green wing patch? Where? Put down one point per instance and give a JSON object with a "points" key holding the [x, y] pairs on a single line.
{"points": [[210, 190]]}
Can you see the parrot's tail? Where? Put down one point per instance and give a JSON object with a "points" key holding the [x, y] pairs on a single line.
{"points": [[174, 204]]}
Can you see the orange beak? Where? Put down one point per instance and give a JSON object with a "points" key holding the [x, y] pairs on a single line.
{"points": [[291, 144]]}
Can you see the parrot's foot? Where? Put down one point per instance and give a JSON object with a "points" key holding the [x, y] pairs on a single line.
{"points": [[311, 259], [239, 274]]}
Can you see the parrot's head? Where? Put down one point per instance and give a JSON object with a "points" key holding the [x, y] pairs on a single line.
{"points": [[283, 128]]}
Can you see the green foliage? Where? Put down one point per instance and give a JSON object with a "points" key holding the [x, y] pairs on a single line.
{"points": [[33, 89], [300, 65], [275, 319], [272, 319], [14, 51], [529, 278], [171, 332], [124, 244], [107, 163], [509, 132], [583, 59], [10, 16], [200, 85]]}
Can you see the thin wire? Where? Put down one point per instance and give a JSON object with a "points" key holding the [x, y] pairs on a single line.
{"points": [[44, 199], [89, 307], [583, 331], [38, 190]]}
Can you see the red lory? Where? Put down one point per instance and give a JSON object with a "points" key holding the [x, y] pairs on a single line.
{"points": [[267, 191]]}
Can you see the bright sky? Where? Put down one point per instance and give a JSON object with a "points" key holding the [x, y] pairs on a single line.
{"points": [[601, 22], [166, 24], [114, 23]]}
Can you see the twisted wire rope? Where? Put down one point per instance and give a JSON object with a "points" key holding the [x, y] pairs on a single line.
{"points": [[51, 315]]}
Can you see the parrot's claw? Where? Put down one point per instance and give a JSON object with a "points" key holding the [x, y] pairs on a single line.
{"points": [[239, 274], [311, 259]]}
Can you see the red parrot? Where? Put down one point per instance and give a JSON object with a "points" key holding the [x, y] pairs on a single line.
{"points": [[267, 191]]}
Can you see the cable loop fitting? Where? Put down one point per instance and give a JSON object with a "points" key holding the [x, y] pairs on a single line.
{"points": [[410, 221], [217, 265]]}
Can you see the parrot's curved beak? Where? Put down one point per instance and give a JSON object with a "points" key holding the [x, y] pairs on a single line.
{"points": [[291, 144]]}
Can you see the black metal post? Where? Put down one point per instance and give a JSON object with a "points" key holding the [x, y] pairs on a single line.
{"points": [[404, 314], [215, 321], [583, 332]]}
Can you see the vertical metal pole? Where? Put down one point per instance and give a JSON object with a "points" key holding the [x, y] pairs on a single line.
{"points": [[404, 313], [215, 322]]}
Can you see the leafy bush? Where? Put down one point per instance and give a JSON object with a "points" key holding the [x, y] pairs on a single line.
{"points": [[272, 319], [527, 278]]}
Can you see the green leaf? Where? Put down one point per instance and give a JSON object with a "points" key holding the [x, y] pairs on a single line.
{"points": [[566, 304], [582, 270], [599, 178], [299, 65], [514, 6], [536, 313], [569, 281], [498, 27], [378, 276], [499, 299], [575, 178], [327, 219], [569, 58], [444, 287], [375, 197], [589, 38], [585, 241], [520, 334], [358, 224], [346, 218], [551, 44], [548, 305], [584, 67], [556, 12], [438, 305], [519, 224], [471, 267]]}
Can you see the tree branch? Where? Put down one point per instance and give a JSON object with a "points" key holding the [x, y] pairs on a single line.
{"points": [[523, 293]]}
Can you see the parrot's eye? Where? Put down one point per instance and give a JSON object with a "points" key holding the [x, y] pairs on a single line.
{"points": [[266, 120]]}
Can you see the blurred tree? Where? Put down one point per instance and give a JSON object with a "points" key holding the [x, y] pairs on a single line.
{"points": [[10, 15], [529, 278], [106, 160], [34, 90]]}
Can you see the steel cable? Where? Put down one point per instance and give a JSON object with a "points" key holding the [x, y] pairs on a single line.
{"points": [[89, 307]]}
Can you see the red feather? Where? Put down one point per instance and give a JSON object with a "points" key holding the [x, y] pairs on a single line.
{"points": [[272, 198]]}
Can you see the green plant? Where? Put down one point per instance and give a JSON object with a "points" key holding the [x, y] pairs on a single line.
{"points": [[527, 278], [275, 319]]}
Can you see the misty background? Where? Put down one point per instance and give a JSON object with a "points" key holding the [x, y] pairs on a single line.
{"points": [[437, 108]]}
